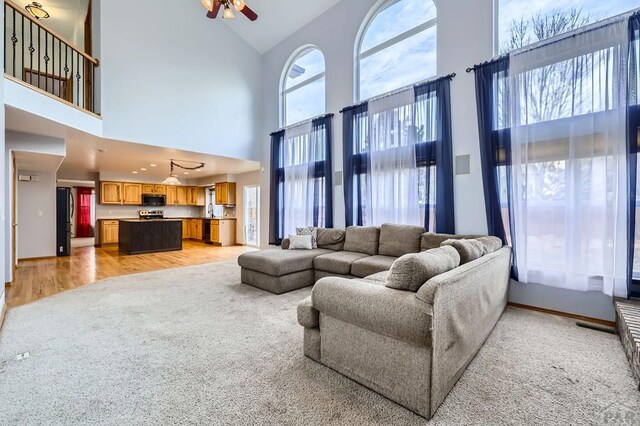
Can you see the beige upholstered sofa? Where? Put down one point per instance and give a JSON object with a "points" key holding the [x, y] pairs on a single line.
{"points": [[411, 347], [374, 317]]}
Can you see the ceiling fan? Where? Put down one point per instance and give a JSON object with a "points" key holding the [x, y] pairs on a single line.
{"points": [[213, 7]]}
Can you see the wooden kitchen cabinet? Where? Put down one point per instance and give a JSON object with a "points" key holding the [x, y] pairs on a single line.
{"points": [[147, 188], [132, 194], [109, 231], [196, 229], [223, 232], [201, 197], [110, 192], [172, 198], [186, 228], [226, 193], [160, 190], [191, 196], [181, 195]]}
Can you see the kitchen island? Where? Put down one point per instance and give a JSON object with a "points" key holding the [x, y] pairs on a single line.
{"points": [[137, 236]]}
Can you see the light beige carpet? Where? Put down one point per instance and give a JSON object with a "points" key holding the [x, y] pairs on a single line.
{"points": [[195, 346]]}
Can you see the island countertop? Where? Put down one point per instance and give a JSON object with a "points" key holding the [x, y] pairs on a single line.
{"points": [[149, 220]]}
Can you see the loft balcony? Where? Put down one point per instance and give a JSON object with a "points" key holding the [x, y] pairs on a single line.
{"points": [[42, 59]]}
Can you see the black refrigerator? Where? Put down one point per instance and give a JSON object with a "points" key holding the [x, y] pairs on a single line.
{"points": [[64, 212]]}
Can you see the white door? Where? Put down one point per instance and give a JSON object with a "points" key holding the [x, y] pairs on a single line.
{"points": [[251, 216]]}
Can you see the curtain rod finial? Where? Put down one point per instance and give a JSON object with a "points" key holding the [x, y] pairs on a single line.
{"points": [[469, 70]]}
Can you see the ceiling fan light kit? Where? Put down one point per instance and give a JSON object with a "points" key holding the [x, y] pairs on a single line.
{"points": [[36, 10], [213, 8]]}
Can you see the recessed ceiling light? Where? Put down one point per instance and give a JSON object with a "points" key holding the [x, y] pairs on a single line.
{"points": [[186, 173], [198, 170], [135, 172], [143, 169], [153, 165]]}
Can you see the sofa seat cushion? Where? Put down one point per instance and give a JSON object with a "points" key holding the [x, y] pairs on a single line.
{"points": [[394, 313], [371, 265], [398, 240], [278, 262], [338, 262], [412, 270], [490, 244], [362, 239]]}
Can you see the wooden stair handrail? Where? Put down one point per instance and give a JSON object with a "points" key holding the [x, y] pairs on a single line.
{"points": [[24, 13]]}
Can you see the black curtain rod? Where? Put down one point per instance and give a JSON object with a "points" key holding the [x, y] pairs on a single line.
{"points": [[490, 61], [433, 80], [311, 120]]}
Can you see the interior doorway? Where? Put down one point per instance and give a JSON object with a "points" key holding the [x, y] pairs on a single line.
{"points": [[82, 212], [251, 216]]}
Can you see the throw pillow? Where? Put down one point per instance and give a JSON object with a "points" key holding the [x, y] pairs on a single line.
{"points": [[285, 244], [300, 242], [490, 244], [309, 231], [411, 271], [468, 250]]}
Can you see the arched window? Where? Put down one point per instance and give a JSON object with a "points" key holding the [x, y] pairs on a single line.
{"points": [[303, 87], [396, 48]]}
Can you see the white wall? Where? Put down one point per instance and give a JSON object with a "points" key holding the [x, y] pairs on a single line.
{"points": [[465, 38], [23, 142], [171, 77], [37, 215]]}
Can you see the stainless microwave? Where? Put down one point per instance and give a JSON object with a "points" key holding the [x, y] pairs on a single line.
{"points": [[152, 200]]}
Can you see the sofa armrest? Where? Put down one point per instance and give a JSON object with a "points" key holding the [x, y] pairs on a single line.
{"points": [[467, 302], [308, 316], [395, 313]]}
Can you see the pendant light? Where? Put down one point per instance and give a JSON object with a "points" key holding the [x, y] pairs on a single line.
{"points": [[172, 179]]}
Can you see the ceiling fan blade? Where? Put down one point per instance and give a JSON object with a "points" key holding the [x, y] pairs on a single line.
{"points": [[214, 12], [249, 13]]}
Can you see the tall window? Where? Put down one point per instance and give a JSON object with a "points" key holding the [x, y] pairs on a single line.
{"points": [[303, 87], [397, 47], [398, 159], [301, 185], [554, 141], [521, 22]]}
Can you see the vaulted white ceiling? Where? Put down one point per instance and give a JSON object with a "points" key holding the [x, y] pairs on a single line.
{"points": [[277, 20]]}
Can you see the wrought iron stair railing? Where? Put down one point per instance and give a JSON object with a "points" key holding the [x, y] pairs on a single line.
{"points": [[47, 62]]}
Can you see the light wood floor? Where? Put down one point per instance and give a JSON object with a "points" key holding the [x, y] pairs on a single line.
{"points": [[36, 279]]}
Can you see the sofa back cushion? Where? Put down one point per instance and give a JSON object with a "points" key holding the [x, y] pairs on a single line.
{"points": [[331, 238], [490, 244], [468, 250], [362, 239], [430, 240], [411, 271], [398, 240]]}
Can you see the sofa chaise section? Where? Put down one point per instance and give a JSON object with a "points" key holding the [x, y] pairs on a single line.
{"points": [[279, 271], [411, 347]]}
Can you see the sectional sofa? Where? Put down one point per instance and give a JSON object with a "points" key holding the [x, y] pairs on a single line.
{"points": [[397, 310]]}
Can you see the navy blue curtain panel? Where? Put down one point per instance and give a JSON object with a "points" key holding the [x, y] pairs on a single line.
{"points": [[442, 154], [276, 198], [495, 149], [354, 133]]}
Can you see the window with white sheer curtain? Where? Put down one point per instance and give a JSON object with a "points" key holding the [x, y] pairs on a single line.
{"points": [[567, 120]]}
